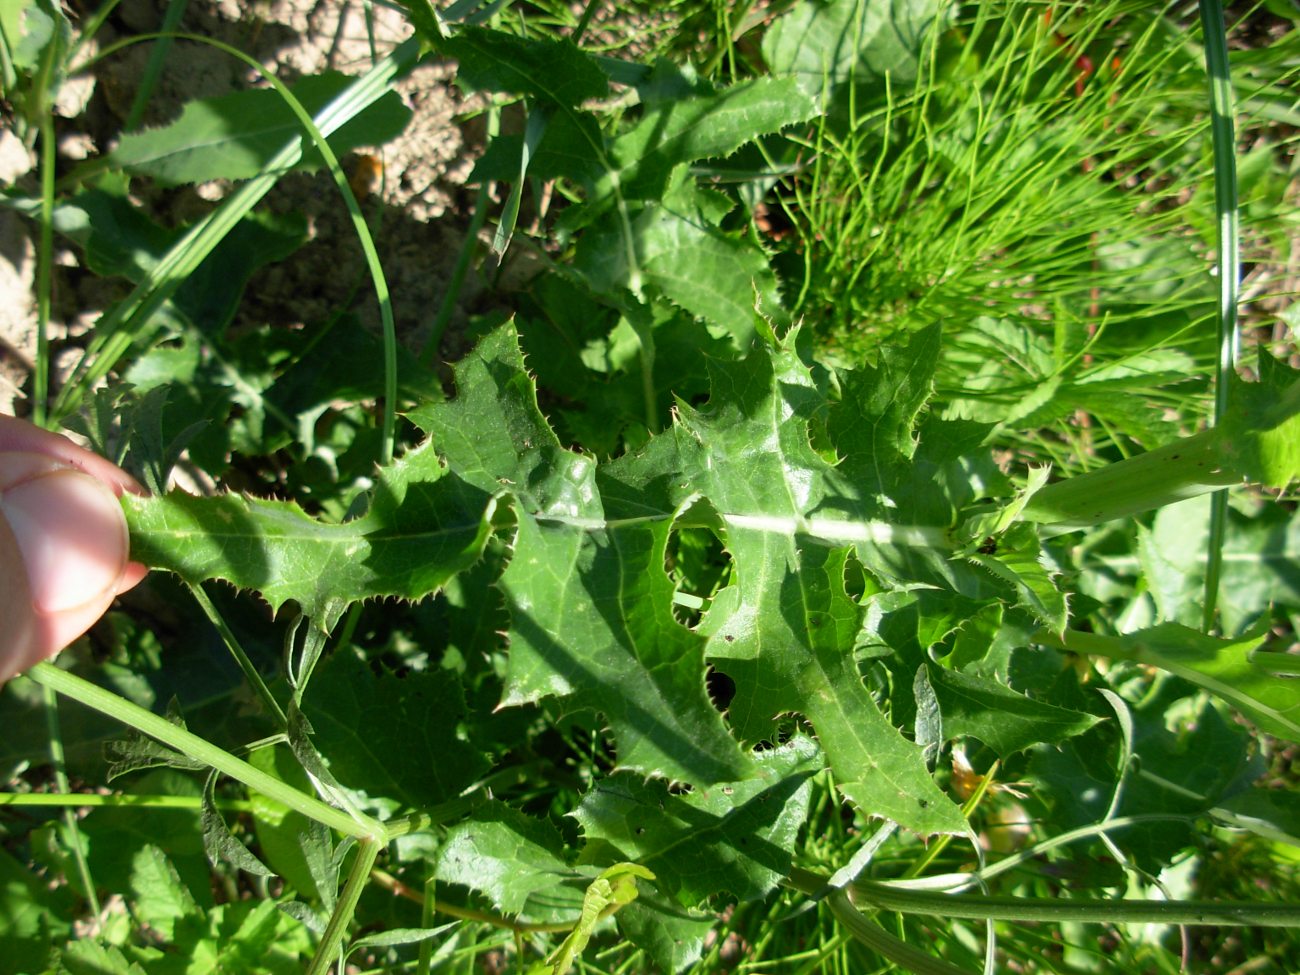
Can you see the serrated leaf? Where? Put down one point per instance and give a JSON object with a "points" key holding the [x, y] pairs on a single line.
{"points": [[393, 737], [1006, 721], [684, 130], [515, 861], [161, 899], [1018, 560], [88, 957], [614, 889], [416, 535], [220, 843], [235, 136], [697, 267], [554, 71], [591, 608], [733, 837]]}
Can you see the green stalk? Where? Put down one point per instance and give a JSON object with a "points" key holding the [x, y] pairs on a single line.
{"points": [[61, 783], [44, 285], [332, 940], [1225, 205], [92, 800], [241, 658], [98, 699], [1061, 909], [117, 329], [153, 69]]}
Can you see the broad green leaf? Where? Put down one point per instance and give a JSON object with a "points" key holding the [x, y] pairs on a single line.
{"points": [[161, 899], [88, 957], [1006, 721], [590, 604], [32, 916], [704, 127], [515, 861], [389, 736], [697, 267], [236, 136], [554, 71], [673, 937], [1261, 436], [790, 624], [415, 536], [733, 837], [1226, 668], [849, 41]]}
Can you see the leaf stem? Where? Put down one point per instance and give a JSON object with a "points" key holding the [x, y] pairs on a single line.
{"points": [[237, 651], [1225, 205], [108, 703], [331, 941]]}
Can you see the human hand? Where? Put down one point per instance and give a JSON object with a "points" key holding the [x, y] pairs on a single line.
{"points": [[63, 542]]}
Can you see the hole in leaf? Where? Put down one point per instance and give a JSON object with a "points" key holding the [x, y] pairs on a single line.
{"points": [[721, 688], [698, 566]]}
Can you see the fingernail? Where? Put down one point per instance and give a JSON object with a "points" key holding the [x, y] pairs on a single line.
{"points": [[73, 537]]}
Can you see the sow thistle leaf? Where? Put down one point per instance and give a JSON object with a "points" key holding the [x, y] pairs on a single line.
{"points": [[392, 737], [1004, 720], [705, 127], [515, 861], [590, 604], [552, 71], [681, 253], [734, 837], [236, 136], [417, 534]]}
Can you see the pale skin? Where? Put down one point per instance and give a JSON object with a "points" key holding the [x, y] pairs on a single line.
{"points": [[63, 542]]}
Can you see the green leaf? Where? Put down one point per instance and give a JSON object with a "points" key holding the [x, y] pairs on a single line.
{"points": [[845, 41], [554, 71], [733, 837], [1271, 813], [161, 899], [235, 136], [392, 737], [716, 277], [32, 917], [615, 888], [1260, 438], [1018, 560], [1228, 669], [515, 861], [673, 937], [1006, 721], [414, 538], [87, 957], [591, 608], [704, 127]]}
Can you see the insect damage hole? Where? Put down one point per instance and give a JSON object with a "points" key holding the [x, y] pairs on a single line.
{"points": [[698, 566]]}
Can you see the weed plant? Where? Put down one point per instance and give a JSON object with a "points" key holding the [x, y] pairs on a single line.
{"points": [[708, 614]]}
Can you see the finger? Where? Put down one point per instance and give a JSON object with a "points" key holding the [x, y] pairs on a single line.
{"points": [[68, 532], [21, 437]]}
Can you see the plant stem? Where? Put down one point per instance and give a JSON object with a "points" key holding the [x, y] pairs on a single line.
{"points": [[44, 268], [330, 942], [241, 658], [106, 702], [1225, 205], [125, 801], [69, 816]]}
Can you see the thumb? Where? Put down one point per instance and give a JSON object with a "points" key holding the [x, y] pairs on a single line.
{"points": [[63, 556]]}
